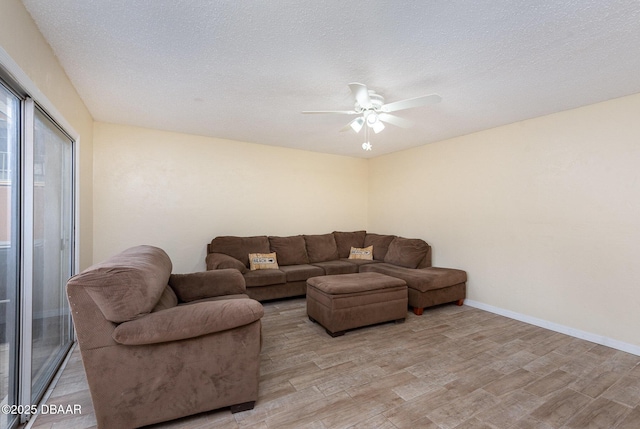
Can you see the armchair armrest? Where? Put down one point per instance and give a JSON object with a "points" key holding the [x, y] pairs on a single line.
{"points": [[218, 261], [207, 284], [188, 321]]}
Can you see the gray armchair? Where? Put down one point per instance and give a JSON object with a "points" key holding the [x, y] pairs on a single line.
{"points": [[157, 346]]}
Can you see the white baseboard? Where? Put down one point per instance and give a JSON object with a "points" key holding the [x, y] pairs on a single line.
{"points": [[588, 336]]}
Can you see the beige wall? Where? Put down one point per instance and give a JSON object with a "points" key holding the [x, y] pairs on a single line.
{"points": [[543, 214], [179, 191], [22, 40]]}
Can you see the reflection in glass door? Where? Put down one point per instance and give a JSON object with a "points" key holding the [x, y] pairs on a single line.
{"points": [[9, 135], [52, 250]]}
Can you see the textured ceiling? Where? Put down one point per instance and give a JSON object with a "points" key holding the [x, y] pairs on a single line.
{"points": [[244, 70]]}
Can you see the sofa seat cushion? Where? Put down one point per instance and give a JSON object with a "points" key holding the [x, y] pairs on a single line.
{"points": [[406, 252], [321, 248], [296, 273], [289, 250], [337, 267], [359, 262], [264, 278], [346, 240], [424, 279]]}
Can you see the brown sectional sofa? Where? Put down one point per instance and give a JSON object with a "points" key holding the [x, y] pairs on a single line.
{"points": [[301, 257]]}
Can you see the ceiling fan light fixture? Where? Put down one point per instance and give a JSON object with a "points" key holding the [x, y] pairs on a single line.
{"points": [[374, 122], [372, 118], [357, 124], [377, 127]]}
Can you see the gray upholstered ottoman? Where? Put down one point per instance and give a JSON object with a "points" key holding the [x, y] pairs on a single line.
{"points": [[347, 301]]}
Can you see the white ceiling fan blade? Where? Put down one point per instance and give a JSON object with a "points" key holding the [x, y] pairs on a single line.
{"points": [[342, 112], [395, 120], [411, 102], [361, 94]]}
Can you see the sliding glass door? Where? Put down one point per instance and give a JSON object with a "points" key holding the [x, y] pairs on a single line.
{"points": [[36, 251], [52, 250], [9, 227]]}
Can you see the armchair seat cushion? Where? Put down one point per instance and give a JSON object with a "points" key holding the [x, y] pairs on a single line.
{"points": [[188, 321]]}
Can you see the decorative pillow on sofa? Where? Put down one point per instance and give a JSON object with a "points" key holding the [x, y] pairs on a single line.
{"points": [[346, 240], [263, 261], [361, 253], [406, 252], [321, 248], [290, 250]]}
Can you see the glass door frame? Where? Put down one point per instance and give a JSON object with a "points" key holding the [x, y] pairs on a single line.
{"points": [[31, 98]]}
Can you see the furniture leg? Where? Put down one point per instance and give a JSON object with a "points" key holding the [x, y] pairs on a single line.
{"points": [[418, 311], [245, 406], [460, 302]]}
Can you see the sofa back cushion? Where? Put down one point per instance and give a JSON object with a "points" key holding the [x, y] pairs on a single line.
{"points": [[289, 250], [321, 248], [240, 247], [127, 285], [406, 252], [346, 240], [380, 244]]}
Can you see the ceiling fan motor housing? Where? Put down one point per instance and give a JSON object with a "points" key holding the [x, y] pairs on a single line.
{"points": [[377, 101]]}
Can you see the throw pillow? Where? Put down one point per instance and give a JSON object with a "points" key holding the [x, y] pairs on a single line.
{"points": [[263, 261], [361, 253]]}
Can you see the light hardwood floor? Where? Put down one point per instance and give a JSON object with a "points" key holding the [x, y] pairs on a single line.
{"points": [[453, 367]]}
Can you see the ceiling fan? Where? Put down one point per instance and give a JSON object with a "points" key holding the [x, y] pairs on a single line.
{"points": [[372, 111]]}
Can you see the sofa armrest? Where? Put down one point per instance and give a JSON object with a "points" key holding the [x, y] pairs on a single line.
{"points": [[183, 322], [207, 284], [220, 261]]}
